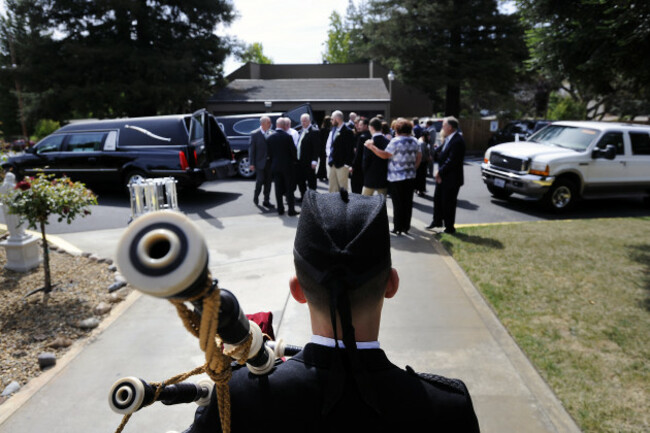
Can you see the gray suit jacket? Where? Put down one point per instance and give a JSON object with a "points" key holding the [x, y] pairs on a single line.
{"points": [[258, 150]]}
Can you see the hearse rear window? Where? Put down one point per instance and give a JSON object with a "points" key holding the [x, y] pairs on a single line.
{"points": [[86, 142]]}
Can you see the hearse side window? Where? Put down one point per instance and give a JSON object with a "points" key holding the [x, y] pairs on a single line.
{"points": [[197, 128], [615, 138], [246, 126], [86, 142], [50, 144], [640, 143]]}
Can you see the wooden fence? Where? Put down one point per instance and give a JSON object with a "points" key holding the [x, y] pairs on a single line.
{"points": [[476, 133]]}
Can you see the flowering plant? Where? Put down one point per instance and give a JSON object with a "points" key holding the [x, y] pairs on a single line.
{"points": [[35, 199]]}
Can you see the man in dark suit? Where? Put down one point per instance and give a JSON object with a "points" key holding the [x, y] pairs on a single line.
{"points": [[307, 150], [356, 180], [340, 153], [375, 169], [259, 161], [342, 381], [449, 179], [282, 152]]}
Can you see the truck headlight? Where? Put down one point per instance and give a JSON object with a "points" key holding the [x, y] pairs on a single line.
{"points": [[486, 158], [539, 169]]}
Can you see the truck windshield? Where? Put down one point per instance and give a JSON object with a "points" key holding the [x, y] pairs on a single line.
{"points": [[570, 137]]}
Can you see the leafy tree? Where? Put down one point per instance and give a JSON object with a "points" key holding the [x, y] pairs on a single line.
{"points": [[453, 45], [338, 41], [45, 127], [565, 108], [252, 53], [346, 41], [117, 57], [36, 198], [595, 49]]}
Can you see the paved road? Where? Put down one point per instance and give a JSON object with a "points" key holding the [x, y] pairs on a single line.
{"points": [[475, 205]]}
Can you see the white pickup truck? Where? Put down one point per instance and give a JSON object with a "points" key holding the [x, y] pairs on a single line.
{"points": [[569, 160]]}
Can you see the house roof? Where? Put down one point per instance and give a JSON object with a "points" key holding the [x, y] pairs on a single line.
{"points": [[304, 89]]}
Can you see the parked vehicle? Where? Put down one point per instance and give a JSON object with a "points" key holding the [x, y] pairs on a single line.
{"points": [[518, 130], [189, 147], [566, 161], [239, 127]]}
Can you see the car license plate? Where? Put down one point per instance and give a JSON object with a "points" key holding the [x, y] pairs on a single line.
{"points": [[499, 183]]}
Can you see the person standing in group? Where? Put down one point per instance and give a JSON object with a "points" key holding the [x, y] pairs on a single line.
{"points": [[421, 174], [404, 155], [259, 161], [449, 178], [282, 152], [375, 169], [340, 153], [356, 180], [433, 140], [417, 128], [324, 133], [352, 120], [307, 152]]}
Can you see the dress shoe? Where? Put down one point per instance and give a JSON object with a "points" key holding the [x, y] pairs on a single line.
{"points": [[396, 232], [268, 204], [280, 211], [432, 226], [256, 201], [293, 213], [451, 231]]}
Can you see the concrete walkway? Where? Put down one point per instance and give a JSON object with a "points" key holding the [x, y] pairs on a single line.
{"points": [[438, 322]]}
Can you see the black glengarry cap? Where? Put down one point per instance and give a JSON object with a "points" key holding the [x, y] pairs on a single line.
{"points": [[342, 235]]}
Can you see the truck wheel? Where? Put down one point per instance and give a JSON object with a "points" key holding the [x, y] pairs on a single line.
{"points": [[499, 193], [244, 167], [561, 196]]}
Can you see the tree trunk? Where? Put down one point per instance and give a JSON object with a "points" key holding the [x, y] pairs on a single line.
{"points": [[46, 265]]}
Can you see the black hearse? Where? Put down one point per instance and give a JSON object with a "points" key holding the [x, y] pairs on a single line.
{"points": [[192, 148]]}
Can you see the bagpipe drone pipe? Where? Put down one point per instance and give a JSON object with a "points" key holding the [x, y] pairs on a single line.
{"points": [[163, 254]]}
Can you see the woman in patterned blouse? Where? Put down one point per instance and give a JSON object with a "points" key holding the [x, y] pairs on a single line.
{"points": [[404, 156]]}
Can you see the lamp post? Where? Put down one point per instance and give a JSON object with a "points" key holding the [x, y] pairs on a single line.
{"points": [[391, 77]]}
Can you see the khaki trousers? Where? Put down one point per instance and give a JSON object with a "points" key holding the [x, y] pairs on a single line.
{"points": [[371, 191], [338, 178]]}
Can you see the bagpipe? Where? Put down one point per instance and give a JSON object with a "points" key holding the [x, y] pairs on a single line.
{"points": [[163, 254]]}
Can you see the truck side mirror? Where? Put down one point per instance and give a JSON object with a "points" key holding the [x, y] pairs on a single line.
{"points": [[609, 152]]}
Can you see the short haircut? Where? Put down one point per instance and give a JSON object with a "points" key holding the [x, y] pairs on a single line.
{"points": [[303, 115], [338, 114], [453, 122], [403, 126], [375, 123], [385, 128], [369, 293], [364, 120]]}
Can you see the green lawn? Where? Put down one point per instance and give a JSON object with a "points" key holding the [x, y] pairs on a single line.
{"points": [[575, 295]]}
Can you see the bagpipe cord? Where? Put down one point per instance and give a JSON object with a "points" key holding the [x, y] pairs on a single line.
{"points": [[218, 364]]}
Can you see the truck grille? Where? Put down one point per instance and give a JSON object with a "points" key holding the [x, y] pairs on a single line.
{"points": [[508, 162]]}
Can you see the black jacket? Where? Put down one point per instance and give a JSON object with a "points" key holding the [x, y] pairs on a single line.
{"points": [[282, 152], [309, 146], [450, 161], [342, 151], [375, 169], [290, 399]]}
